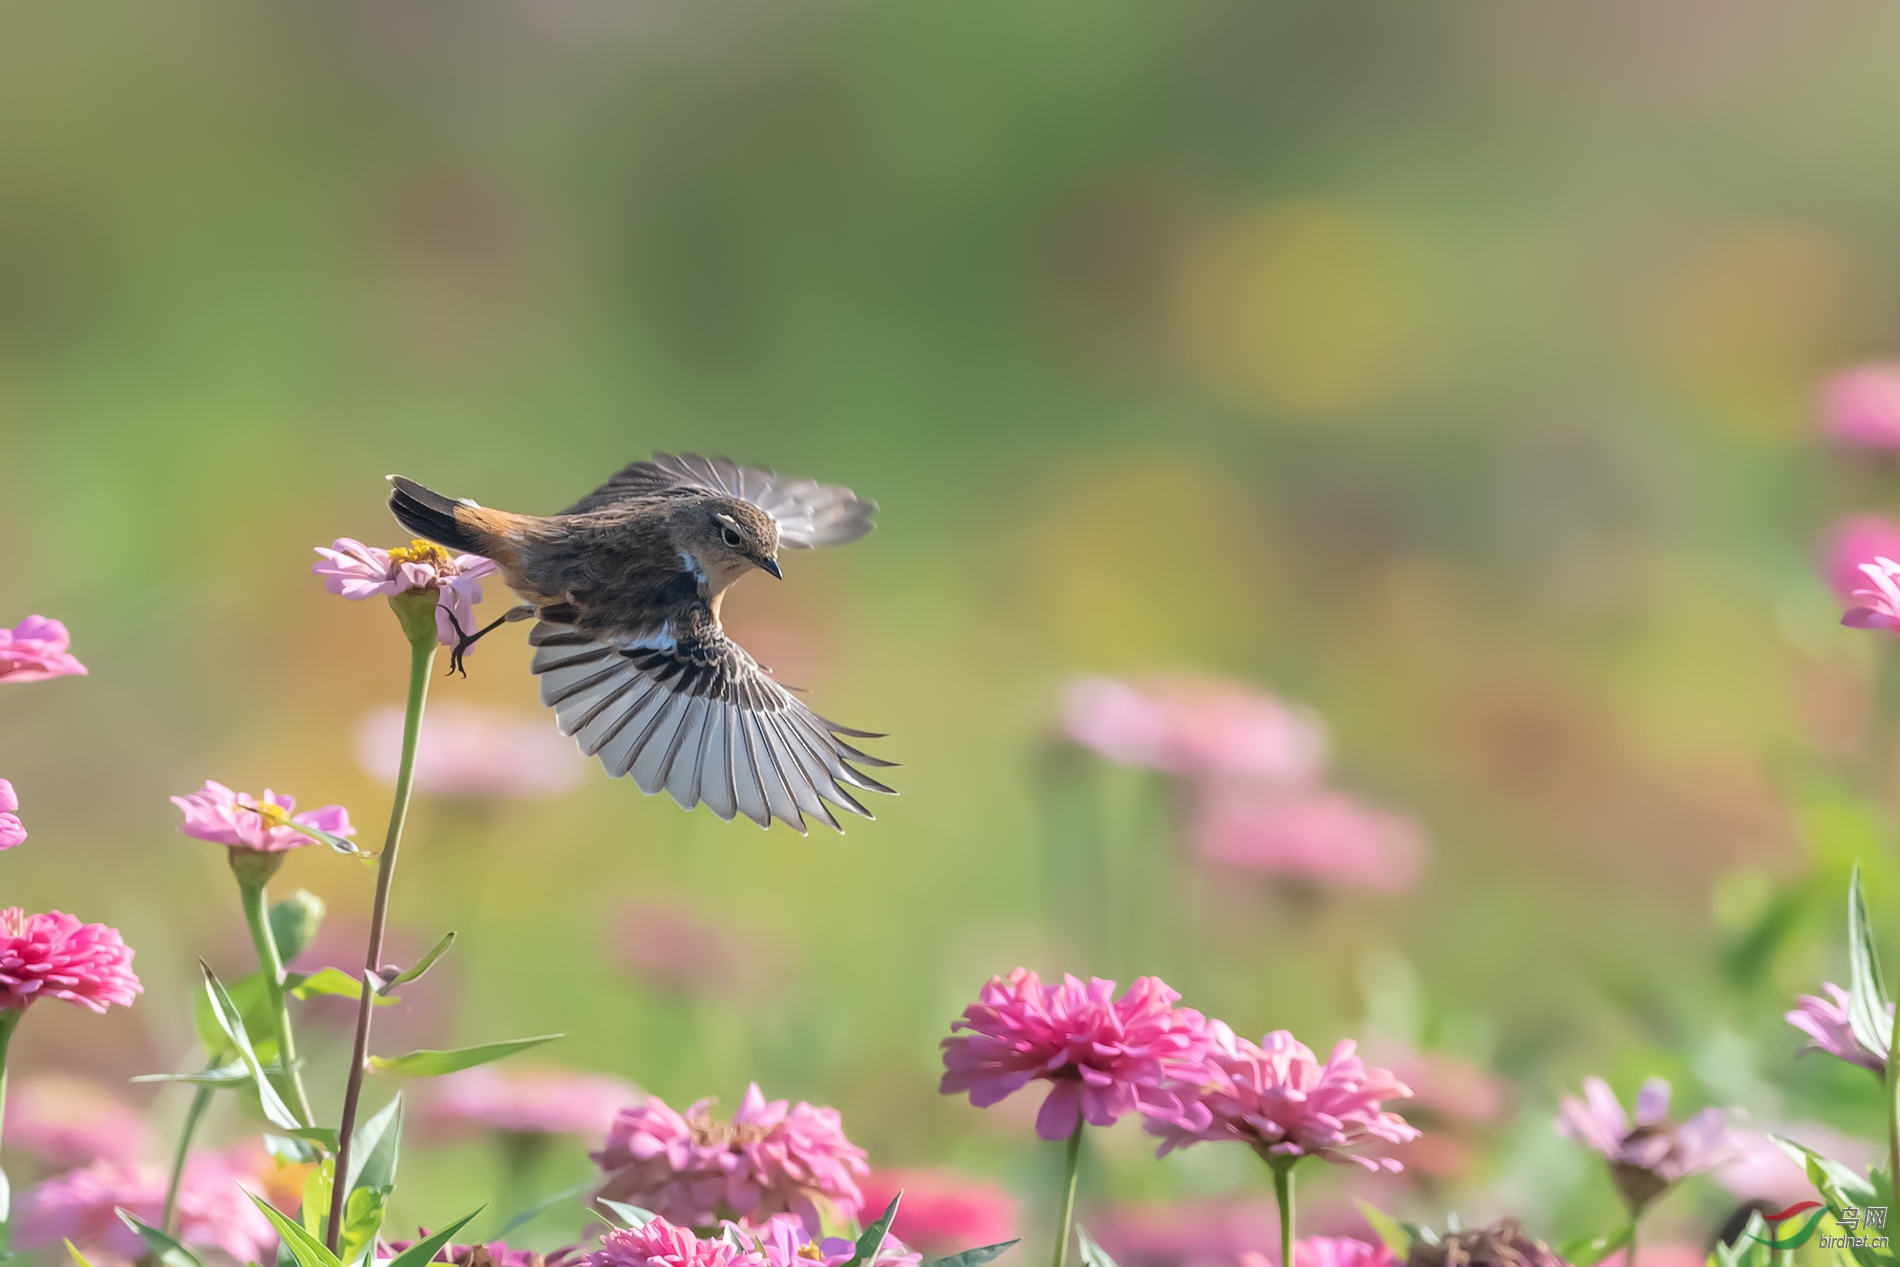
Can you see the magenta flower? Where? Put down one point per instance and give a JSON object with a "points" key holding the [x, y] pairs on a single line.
{"points": [[1824, 1021], [786, 1242], [1879, 594], [696, 1171], [1317, 835], [357, 571], [662, 1244], [1192, 726], [55, 956], [1862, 406], [213, 1211], [1853, 541], [1648, 1158], [223, 817], [496, 1254], [528, 1101], [1341, 1251], [1280, 1101], [68, 1121], [12, 831], [471, 752], [943, 1210], [36, 649], [1102, 1056]]}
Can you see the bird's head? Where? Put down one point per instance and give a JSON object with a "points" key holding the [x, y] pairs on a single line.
{"points": [[727, 538]]}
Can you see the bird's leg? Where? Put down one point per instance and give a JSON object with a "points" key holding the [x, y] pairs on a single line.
{"points": [[463, 641]]}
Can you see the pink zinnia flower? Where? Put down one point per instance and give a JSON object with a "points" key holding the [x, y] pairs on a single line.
{"points": [[1319, 835], [357, 571], [1339, 1251], [56, 956], [12, 831], [223, 817], [673, 950], [466, 751], [213, 1211], [662, 1244], [770, 1159], [786, 1242], [1103, 1056], [497, 1253], [36, 649], [1824, 1021], [1879, 595], [1280, 1101], [1862, 406], [1194, 726], [1853, 541], [68, 1121], [528, 1101], [943, 1210], [1649, 1157]]}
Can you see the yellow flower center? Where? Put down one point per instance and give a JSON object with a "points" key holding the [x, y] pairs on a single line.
{"points": [[273, 815], [420, 551], [812, 1252]]}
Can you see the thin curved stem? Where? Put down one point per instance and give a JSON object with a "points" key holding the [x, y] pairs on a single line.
{"points": [[421, 665], [270, 966], [1066, 1220], [200, 1101]]}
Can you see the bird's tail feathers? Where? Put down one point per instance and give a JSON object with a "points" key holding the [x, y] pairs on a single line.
{"points": [[428, 513]]}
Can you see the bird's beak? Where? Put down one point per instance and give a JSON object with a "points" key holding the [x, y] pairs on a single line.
{"points": [[771, 565]]}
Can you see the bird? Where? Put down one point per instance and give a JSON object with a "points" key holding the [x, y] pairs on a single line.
{"points": [[625, 587]]}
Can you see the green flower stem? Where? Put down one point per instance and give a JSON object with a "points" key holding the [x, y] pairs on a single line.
{"points": [[419, 625], [1629, 1247], [200, 1101], [1066, 1220], [270, 965], [9, 1017], [1893, 1102], [1283, 1195]]}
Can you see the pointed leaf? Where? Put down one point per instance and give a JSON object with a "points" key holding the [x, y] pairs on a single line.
{"points": [[316, 1196], [872, 1239], [1867, 992], [433, 1064], [974, 1257], [1093, 1255], [630, 1215], [77, 1256], [231, 1022], [321, 837], [542, 1206], [231, 1075], [323, 1137], [163, 1247], [362, 1220], [1836, 1181], [422, 965], [1387, 1229], [422, 1251], [374, 1150], [307, 1249], [1588, 1251]]}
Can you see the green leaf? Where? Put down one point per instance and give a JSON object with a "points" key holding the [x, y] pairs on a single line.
{"points": [[307, 1249], [1836, 1181], [247, 992], [294, 1151], [974, 1257], [231, 1022], [362, 1219], [232, 1075], [163, 1247], [1588, 1251], [1867, 993], [329, 983], [321, 837], [872, 1239], [433, 1064], [1387, 1228], [542, 1206], [422, 1251], [375, 1147], [1093, 1255], [423, 964], [629, 1215], [323, 1137], [77, 1256], [294, 923], [316, 1196]]}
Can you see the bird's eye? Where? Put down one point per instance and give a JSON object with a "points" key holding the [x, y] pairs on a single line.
{"points": [[731, 537]]}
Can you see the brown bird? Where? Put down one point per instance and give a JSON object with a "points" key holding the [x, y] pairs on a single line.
{"points": [[626, 586]]}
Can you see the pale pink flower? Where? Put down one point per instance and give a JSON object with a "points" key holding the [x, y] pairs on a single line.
{"points": [[56, 956], [498, 1254], [1855, 540], [473, 752], [943, 1210], [68, 1121], [12, 831], [662, 1244], [1861, 406], [213, 1211], [1195, 726], [1341, 1251], [673, 950], [1879, 597], [1648, 1158], [1824, 1021], [1280, 1101], [772, 1158], [357, 571], [223, 817], [36, 649], [1757, 1168], [1317, 835], [1103, 1056], [787, 1242], [528, 1101]]}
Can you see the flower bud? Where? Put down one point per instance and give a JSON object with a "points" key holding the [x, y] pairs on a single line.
{"points": [[294, 923], [253, 866], [415, 610]]}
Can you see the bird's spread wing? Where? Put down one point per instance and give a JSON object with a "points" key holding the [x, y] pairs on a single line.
{"points": [[808, 513], [694, 714]]}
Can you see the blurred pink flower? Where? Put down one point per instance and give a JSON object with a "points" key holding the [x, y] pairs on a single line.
{"points": [[1454, 1102], [1335, 1251], [498, 1254], [943, 1210], [1855, 540], [662, 1244], [1880, 595], [1649, 1157], [1280, 1101], [1103, 1056], [55, 956], [1757, 1168], [528, 1101], [12, 831], [675, 951], [770, 1159], [223, 817], [68, 1121], [213, 1212], [1861, 406], [1824, 1021], [786, 1242], [36, 649], [1319, 835], [357, 571], [466, 751], [1195, 726]]}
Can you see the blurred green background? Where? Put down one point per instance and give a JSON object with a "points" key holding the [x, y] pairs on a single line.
{"points": [[1448, 368]]}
